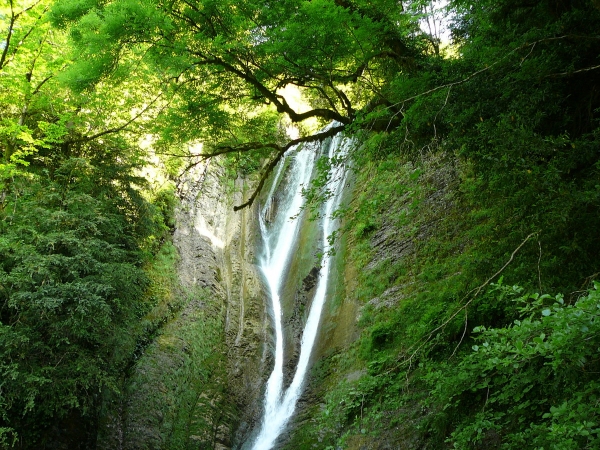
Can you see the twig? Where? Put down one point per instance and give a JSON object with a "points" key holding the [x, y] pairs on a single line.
{"points": [[527, 56], [487, 397], [463, 335], [538, 267], [477, 291], [588, 280], [437, 113]]}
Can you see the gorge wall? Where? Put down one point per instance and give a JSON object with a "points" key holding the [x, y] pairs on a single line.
{"points": [[201, 376], [200, 382]]}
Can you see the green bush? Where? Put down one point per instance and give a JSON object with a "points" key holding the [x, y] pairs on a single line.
{"points": [[71, 286], [532, 384]]}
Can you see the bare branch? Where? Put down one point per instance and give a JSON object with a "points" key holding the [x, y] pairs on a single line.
{"points": [[119, 128], [477, 291], [282, 150], [566, 74]]}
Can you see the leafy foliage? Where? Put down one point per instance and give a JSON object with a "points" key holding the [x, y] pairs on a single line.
{"points": [[463, 158], [531, 383], [518, 158], [72, 283], [75, 232]]}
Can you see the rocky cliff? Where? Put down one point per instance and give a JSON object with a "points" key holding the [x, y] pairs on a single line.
{"points": [[217, 249], [198, 383]]}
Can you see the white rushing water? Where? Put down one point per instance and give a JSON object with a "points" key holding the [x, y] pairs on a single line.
{"points": [[280, 236]]}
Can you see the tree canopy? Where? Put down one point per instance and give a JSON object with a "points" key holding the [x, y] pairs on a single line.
{"points": [[223, 65], [75, 232]]}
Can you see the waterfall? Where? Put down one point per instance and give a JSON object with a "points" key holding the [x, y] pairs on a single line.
{"points": [[280, 239]]}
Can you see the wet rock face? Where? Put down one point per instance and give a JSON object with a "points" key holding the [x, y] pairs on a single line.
{"points": [[391, 243], [310, 280], [198, 264], [216, 248]]}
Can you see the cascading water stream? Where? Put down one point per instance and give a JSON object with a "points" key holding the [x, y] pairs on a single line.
{"points": [[279, 239]]}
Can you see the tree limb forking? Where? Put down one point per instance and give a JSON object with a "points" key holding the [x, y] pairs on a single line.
{"points": [[279, 101]]}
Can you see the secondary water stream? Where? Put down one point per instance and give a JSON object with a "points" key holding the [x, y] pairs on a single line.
{"points": [[280, 235]]}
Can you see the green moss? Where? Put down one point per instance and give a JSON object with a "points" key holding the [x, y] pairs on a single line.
{"points": [[179, 379]]}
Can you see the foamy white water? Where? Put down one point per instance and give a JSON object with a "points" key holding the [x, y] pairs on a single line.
{"points": [[279, 238]]}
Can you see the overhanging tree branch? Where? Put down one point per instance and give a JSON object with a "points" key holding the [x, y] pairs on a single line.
{"points": [[281, 151], [278, 100], [121, 127]]}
